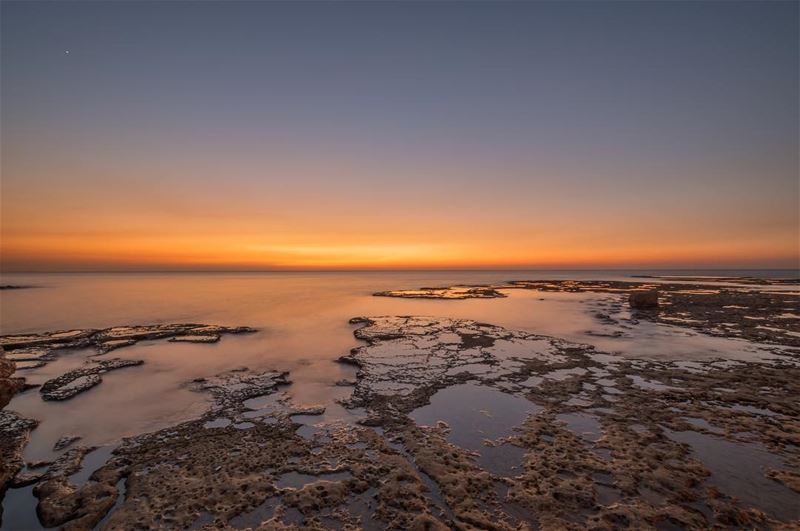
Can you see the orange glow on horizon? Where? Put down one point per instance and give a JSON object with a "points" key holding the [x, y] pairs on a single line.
{"points": [[232, 252], [78, 222], [62, 217]]}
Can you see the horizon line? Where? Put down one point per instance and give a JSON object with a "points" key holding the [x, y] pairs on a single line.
{"points": [[409, 269]]}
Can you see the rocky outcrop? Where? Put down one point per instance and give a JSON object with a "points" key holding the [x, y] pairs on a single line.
{"points": [[764, 314], [41, 348], [64, 441], [231, 388], [9, 384], [62, 503], [79, 380], [452, 293], [643, 300], [14, 432], [610, 442], [255, 470], [212, 338]]}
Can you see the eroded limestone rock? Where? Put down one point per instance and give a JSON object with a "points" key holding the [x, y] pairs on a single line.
{"points": [[79, 380], [14, 432], [452, 292], [232, 388], [44, 347], [62, 503], [742, 312], [530, 431], [254, 470], [610, 442], [9, 384], [64, 441]]}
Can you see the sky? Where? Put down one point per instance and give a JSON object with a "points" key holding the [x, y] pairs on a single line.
{"points": [[296, 135]]}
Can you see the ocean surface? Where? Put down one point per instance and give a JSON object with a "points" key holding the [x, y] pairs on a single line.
{"points": [[302, 321]]}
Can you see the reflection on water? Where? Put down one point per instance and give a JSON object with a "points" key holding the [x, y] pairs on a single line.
{"points": [[19, 512], [297, 480], [582, 425], [474, 414], [738, 468]]}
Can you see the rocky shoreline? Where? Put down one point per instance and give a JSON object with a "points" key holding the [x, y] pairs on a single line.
{"points": [[458, 424], [35, 350], [756, 315]]}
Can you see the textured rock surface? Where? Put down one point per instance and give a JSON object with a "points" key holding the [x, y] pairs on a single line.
{"points": [[643, 300], [64, 441], [468, 425], [610, 442], [743, 312], [454, 293], [79, 380], [196, 339], [9, 384], [254, 469], [232, 388], [14, 432], [44, 347], [63, 504]]}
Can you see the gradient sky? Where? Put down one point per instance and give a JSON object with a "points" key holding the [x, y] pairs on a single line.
{"points": [[183, 135]]}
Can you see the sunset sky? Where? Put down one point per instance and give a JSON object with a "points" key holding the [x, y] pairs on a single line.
{"points": [[258, 135]]}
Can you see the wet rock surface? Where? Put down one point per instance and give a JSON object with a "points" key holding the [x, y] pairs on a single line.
{"points": [[41, 348], [9, 384], [609, 442], [453, 293], [62, 503], [14, 432], [64, 441], [757, 315], [82, 379], [232, 388], [206, 338], [251, 470], [643, 300]]}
